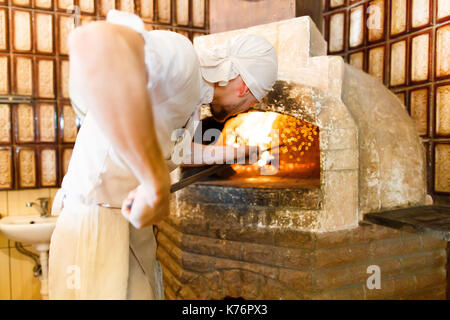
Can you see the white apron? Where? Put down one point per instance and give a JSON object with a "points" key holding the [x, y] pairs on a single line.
{"points": [[89, 250]]}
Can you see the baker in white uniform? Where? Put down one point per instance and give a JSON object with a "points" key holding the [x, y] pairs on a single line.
{"points": [[133, 88]]}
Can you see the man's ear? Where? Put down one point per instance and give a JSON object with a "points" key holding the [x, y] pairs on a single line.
{"points": [[243, 89]]}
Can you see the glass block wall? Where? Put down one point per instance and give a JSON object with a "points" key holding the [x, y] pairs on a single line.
{"points": [[38, 126], [406, 45]]}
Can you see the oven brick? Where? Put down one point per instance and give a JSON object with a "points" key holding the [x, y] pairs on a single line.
{"points": [[361, 234], [214, 283], [293, 238], [315, 75], [191, 226], [403, 285], [340, 200], [186, 294], [269, 272], [350, 293], [431, 278], [408, 288], [335, 77], [300, 199], [333, 239], [293, 258], [208, 286], [169, 294], [182, 275], [334, 115], [338, 139], [180, 290], [185, 210], [373, 232], [391, 288], [273, 290], [328, 258], [329, 279], [173, 251], [436, 293], [203, 245], [232, 282], [424, 260], [293, 218], [170, 282], [288, 294], [255, 216], [395, 247], [387, 290], [196, 262], [343, 159], [251, 284], [226, 264], [297, 280], [212, 247], [276, 256], [345, 123], [173, 234], [429, 243], [307, 198], [258, 253], [252, 234]]}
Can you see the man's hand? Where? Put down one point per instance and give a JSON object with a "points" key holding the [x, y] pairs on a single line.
{"points": [[220, 154], [144, 206], [252, 154]]}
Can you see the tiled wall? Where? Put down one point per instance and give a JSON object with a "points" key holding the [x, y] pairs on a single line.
{"points": [[16, 270], [405, 44], [36, 137]]}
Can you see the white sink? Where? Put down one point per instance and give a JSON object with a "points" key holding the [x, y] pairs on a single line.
{"points": [[34, 230], [28, 229]]}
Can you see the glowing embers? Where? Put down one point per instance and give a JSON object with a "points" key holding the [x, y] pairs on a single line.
{"points": [[298, 157]]}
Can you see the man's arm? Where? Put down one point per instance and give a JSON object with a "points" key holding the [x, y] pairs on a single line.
{"points": [[218, 153], [107, 68]]}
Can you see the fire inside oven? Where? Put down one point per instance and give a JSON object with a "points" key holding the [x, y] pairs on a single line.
{"points": [[296, 162]]}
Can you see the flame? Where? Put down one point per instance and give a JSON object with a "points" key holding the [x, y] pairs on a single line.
{"points": [[254, 129], [299, 155]]}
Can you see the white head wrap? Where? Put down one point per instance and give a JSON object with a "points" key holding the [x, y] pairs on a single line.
{"points": [[248, 55]]}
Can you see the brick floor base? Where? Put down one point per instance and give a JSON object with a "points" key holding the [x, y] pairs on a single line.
{"points": [[199, 263]]}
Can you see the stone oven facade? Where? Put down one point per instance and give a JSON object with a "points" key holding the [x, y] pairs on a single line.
{"points": [[308, 241]]}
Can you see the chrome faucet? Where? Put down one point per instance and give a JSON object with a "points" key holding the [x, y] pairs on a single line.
{"points": [[42, 207]]}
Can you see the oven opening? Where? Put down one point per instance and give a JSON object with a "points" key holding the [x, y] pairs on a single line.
{"points": [[296, 164]]}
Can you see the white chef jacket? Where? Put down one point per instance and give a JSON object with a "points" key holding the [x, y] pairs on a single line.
{"points": [[89, 249]]}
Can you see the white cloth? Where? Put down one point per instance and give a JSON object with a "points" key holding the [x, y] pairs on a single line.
{"points": [[95, 239], [248, 55]]}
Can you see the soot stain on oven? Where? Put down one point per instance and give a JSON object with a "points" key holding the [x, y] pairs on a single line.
{"points": [[290, 99]]}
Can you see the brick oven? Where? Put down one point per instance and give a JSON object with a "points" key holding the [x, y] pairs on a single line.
{"points": [[349, 148]]}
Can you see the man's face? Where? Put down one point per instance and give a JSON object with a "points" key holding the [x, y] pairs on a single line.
{"points": [[234, 98]]}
